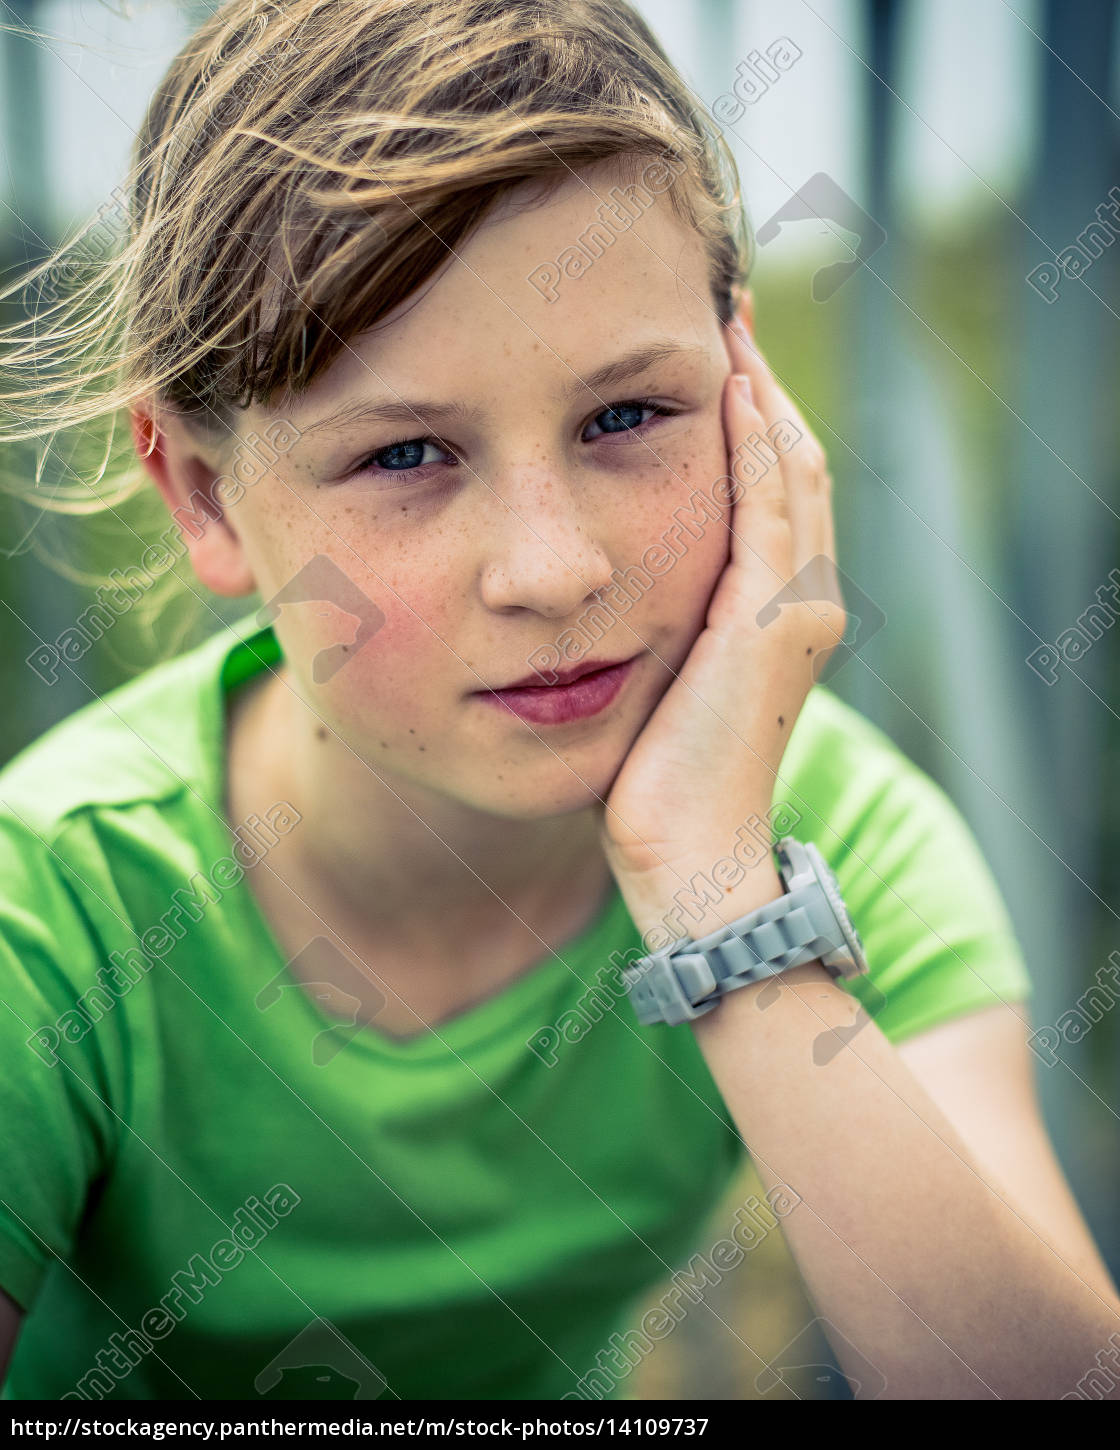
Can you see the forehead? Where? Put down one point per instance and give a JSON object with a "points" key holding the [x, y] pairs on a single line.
{"points": [[544, 283]]}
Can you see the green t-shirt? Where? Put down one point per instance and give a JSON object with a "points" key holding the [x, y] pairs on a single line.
{"points": [[211, 1186]]}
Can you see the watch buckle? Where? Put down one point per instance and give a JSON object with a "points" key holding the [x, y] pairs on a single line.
{"points": [[686, 977]]}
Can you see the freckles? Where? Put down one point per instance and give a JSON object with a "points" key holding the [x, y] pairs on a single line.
{"points": [[390, 682]]}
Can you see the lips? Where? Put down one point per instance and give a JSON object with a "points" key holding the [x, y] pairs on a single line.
{"points": [[580, 692], [562, 677]]}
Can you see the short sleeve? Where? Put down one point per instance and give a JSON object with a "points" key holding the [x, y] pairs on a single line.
{"points": [[936, 932], [58, 1127]]}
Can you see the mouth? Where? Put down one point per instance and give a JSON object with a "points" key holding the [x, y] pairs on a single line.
{"points": [[578, 693]]}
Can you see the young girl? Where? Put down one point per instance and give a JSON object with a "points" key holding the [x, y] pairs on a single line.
{"points": [[338, 1059]]}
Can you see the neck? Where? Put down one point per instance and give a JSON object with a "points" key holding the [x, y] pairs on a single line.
{"points": [[393, 853]]}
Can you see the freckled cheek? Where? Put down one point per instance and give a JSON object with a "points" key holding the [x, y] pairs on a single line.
{"points": [[398, 674], [682, 483], [402, 676]]}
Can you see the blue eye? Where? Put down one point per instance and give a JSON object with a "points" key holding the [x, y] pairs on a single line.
{"points": [[625, 417], [400, 457]]}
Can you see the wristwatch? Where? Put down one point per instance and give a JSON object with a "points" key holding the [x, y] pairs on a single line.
{"points": [[809, 923]]}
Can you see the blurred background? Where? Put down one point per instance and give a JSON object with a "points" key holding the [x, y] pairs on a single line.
{"points": [[937, 191]]}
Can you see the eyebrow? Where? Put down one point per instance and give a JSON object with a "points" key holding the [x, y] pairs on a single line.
{"points": [[399, 410]]}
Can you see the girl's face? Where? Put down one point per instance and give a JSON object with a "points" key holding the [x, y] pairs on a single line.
{"points": [[480, 520]]}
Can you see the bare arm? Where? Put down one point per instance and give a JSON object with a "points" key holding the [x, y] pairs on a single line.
{"points": [[903, 1236], [980, 1072]]}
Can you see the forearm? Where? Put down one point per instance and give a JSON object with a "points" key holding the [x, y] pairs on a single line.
{"points": [[902, 1245]]}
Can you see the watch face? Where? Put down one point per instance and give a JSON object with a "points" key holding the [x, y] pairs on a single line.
{"points": [[852, 961]]}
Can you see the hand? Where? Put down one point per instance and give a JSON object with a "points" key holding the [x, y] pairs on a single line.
{"points": [[706, 758]]}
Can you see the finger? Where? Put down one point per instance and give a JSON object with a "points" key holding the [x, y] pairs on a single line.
{"points": [[761, 542], [777, 568], [813, 576], [786, 443], [804, 464], [773, 401]]}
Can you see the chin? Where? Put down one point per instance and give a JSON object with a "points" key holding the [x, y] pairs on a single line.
{"points": [[539, 795]]}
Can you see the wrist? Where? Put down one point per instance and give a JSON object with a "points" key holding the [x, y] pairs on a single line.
{"points": [[808, 1000], [672, 905], [787, 914], [762, 885]]}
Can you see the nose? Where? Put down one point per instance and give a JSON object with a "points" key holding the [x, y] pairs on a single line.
{"points": [[540, 552]]}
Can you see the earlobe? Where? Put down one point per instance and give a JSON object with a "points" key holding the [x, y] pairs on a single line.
{"points": [[186, 481]]}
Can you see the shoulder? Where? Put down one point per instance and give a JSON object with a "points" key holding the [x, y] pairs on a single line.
{"points": [[836, 750], [142, 741], [936, 931], [102, 814], [845, 780], [93, 803]]}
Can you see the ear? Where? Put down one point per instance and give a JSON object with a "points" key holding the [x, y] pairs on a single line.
{"points": [[743, 299], [189, 477]]}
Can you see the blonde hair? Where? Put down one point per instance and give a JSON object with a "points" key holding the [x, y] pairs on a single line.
{"points": [[303, 167]]}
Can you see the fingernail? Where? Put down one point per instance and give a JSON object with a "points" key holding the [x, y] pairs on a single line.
{"points": [[743, 383]]}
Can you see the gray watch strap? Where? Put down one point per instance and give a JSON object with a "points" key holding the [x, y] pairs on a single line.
{"points": [[689, 978]]}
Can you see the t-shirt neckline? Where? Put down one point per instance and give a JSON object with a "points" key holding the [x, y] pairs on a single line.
{"points": [[535, 993]]}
